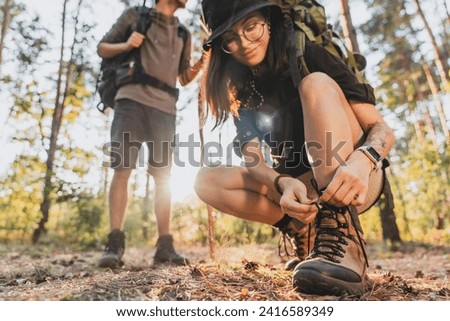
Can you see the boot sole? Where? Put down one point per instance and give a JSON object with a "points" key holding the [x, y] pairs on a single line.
{"points": [[110, 263], [313, 282], [291, 264], [170, 262]]}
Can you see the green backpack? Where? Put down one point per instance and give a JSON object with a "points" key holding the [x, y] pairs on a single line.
{"points": [[308, 22]]}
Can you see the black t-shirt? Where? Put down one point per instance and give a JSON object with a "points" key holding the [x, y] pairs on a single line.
{"points": [[278, 121]]}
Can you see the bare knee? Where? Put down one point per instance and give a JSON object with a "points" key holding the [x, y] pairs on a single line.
{"points": [[161, 177], [314, 82], [317, 85], [204, 181], [122, 175]]}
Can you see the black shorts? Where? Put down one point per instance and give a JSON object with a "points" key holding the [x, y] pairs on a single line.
{"points": [[134, 124]]}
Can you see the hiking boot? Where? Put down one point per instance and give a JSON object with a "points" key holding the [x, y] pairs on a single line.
{"points": [[337, 264], [165, 252], [114, 249], [300, 237]]}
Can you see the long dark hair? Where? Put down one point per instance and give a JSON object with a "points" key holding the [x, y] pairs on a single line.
{"points": [[225, 77]]}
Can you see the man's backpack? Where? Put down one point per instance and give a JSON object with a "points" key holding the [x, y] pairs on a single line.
{"points": [[121, 70], [308, 22]]}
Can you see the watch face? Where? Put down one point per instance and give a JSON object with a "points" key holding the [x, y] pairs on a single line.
{"points": [[374, 153]]}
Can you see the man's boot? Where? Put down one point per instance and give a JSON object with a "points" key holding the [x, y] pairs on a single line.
{"points": [[300, 237], [337, 264], [165, 252], [114, 249]]}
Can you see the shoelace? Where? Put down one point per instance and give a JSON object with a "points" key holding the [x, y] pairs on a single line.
{"points": [[333, 243], [296, 245]]}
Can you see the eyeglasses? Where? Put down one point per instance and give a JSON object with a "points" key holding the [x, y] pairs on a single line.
{"points": [[252, 33]]}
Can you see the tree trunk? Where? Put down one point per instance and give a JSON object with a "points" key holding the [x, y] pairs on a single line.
{"points": [[348, 28], [418, 125], [430, 127], [437, 100], [420, 133], [439, 60], [440, 217], [447, 10], [441, 213], [56, 124], [388, 223], [431, 132], [58, 112], [5, 26], [399, 195], [445, 31]]}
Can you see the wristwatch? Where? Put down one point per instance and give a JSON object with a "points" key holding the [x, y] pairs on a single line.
{"points": [[372, 154]]}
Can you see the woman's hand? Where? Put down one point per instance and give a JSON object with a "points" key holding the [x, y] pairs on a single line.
{"points": [[295, 201], [350, 183]]}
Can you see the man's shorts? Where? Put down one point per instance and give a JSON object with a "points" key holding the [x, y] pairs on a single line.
{"points": [[134, 124]]}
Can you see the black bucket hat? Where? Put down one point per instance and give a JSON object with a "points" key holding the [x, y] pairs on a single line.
{"points": [[221, 15]]}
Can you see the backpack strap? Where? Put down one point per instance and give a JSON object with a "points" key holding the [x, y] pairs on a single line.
{"points": [[146, 79], [293, 52], [139, 74], [183, 34], [144, 20]]}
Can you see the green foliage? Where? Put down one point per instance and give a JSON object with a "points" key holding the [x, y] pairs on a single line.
{"points": [[82, 220], [422, 185], [20, 196], [371, 224]]}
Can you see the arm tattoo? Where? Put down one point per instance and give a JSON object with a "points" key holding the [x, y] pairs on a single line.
{"points": [[380, 137]]}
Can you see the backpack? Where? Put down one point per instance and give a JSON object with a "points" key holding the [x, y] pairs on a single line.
{"points": [[120, 70], [307, 21]]}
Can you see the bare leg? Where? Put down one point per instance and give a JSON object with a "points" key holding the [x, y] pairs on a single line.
{"points": [[234, 191], [118, 201], [331, 129], [118, 198], [165, 251], [163, 205]]}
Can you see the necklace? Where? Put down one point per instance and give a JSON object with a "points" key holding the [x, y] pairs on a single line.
{"points": [[254, 94], [255, 70]]}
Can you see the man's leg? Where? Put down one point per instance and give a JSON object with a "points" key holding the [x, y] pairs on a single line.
{"points": [[125, 145], [160, 136], [118, 201], [163, 204], [118, 198], [165, 251]]}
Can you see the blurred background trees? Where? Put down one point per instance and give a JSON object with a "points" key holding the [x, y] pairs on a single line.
{"points": [[53, 184]]}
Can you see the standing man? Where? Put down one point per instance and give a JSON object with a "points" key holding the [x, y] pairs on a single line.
{"points": [[147, 113]]}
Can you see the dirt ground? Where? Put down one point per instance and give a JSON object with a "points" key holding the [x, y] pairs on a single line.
{"points": [[253, 272]]}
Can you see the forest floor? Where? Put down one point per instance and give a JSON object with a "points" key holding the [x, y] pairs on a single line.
{"points": [[253, 272]]}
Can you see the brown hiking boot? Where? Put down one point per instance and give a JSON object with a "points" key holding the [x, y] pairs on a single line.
{"points": [[114, 249], [300, 238], [338, 262], [165, 252]]}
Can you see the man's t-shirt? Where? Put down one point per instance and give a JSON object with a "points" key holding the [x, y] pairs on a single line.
{"points": [[164, 56]]}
